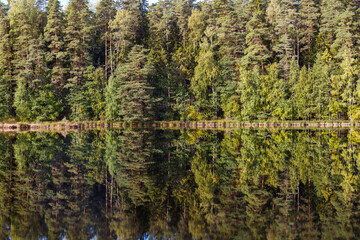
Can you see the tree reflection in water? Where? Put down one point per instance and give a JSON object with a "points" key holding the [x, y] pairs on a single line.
{"points": [[183, 184]]}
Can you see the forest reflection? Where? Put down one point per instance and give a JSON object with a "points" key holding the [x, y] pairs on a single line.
{"points": [[181, 184]]}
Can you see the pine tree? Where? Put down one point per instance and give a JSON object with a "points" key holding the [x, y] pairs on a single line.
{"points": [[26, 22], [129, 27], [122, 35], [330, 10], [182, 9], [232, 44], [54, 37], [286, 27], [6, 84], [105, 12], [77, 39], [256, 52], [162, 25], [128, 93], [138, 9], [344, 48], [308, 14]]}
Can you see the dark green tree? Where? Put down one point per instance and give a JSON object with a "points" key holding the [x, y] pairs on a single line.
{"points": [[129, 93], [308, 15], [5, 64], [77, 38]]}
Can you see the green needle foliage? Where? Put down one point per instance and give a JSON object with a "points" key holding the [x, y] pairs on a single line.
{"points": [[129, 90]]}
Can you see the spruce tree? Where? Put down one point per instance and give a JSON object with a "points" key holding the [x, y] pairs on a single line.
{"points": [[322, 88], [162, 41], [129, 93], [182, 10], [46, 104]]}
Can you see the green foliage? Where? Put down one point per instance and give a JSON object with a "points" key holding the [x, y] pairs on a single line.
{"points": [[128, 93], [88, 101], [205, 71], [230, 184], [190, 113], [216, 59]]}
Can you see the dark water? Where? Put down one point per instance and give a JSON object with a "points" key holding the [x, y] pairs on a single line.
{"points": [[144, 184]]}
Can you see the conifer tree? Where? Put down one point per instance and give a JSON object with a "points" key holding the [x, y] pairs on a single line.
{"points": [[330, 10], [34, 97], [54, 37], [344, 47], [322, 88], [285, 27], [129, 93], [303, 95], [122, 34], [26, 22], [93, 90], [6, 84], [256, 52], [308, 14], [162, 40], [77, 39], [45, 105], [105, 12], [182, 10], [232, 44]]}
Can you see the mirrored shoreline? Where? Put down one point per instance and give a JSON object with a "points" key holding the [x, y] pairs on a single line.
{"points": [[181, 184]]}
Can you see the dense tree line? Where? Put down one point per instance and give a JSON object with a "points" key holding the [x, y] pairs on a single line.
{"points": [[244, 184], [180, 60]]}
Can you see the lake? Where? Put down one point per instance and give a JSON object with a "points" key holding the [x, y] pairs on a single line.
{"points": [[180, 184]]}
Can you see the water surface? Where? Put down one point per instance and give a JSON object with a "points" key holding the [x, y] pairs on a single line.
{"points": [[182, 184]]}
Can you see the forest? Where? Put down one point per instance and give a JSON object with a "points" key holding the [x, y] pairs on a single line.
{"points": [[180, 60]]}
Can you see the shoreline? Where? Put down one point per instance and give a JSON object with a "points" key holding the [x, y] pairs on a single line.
{"points": [[215, 124]]}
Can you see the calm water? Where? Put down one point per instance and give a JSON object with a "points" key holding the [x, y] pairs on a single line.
{"points": [[144, 184]]}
